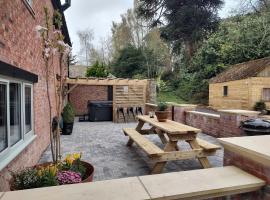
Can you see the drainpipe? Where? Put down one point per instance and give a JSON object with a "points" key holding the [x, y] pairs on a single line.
{"points": [[66, 5]]}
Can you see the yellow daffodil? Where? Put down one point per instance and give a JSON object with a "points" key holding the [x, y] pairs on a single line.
{"points": [[69, 159], [53, 170], [76, 156]]}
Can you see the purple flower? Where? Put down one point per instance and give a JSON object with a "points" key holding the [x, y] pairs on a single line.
{"points": [[68, 177]]}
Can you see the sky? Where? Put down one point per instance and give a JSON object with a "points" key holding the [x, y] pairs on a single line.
{"points": [[99, 14]]}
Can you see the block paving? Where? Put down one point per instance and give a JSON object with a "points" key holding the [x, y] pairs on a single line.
{"points": [[104, 145]]}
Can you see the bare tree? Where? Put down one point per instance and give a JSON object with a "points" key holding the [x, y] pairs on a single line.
{"points": [[86, 37]]}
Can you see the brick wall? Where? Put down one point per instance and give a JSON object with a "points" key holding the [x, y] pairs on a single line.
{"points": [[208, 123], [257, 169], [83, 93], [19, 46], [223, 124]]}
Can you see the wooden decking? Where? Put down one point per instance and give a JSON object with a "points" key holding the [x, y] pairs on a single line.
{"points": [[196, 184]]}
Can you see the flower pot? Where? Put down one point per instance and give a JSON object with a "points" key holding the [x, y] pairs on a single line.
{"points": [[89, 174], [162, 116], [67, 128]]}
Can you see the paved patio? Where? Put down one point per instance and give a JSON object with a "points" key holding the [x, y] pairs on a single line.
{"points": [[104, 145]]}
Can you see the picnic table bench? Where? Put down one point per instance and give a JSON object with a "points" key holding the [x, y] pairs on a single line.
{"points": [[170, 133]]}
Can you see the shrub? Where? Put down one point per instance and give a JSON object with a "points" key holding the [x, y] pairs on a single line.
{"points": [[162, 106], [68, 114], [97, 70], [260, 106], [26, 179]]}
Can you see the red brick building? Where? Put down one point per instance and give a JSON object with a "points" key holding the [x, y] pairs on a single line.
{"points": [[24, 117]]}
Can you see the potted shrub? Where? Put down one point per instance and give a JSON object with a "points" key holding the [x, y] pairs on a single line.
{"points": [[71, 170], [260, 106], [68, 119], [162, 112]]}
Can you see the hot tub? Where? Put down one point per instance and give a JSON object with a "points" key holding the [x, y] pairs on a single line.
{"points": [[100, 111]]}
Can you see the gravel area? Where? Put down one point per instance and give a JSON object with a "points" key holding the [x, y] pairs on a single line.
{"points": [[104, 145]]}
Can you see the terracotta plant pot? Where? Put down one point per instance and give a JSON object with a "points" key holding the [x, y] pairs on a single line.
{"points": [[89, 174], [162, 116]]}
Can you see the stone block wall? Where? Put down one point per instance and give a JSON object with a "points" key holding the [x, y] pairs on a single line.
{"points": [[151, 93]]}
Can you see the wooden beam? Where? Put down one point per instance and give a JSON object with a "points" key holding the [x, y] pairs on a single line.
{"points": [[72, 88], [106, 82]]}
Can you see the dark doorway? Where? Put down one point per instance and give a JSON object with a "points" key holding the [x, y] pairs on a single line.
{"points": [[110, 93]]}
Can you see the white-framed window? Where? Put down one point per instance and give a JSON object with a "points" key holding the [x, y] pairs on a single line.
{"points": [[16, 118], [29, 2]]}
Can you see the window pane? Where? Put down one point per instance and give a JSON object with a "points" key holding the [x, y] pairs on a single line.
{"points": [[28, 109], [15, 112], [266, 94], [3, 117]]}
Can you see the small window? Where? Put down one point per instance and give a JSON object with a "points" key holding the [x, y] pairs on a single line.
{"points": [[266, 94], [225, 91]]}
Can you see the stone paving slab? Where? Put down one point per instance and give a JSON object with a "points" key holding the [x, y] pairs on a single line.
{"points": [[104, 145]]}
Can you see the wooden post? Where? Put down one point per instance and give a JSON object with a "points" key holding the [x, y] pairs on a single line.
{"points": [[172, 113]]}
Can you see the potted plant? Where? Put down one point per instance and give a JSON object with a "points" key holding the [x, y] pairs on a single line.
{"points": [[162, 112], [68, 119], [71, 170], [260, 106]]}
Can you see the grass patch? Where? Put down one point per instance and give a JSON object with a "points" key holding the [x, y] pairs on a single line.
{"points": [[169, 97]]}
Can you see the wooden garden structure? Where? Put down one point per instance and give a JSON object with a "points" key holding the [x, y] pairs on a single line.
{"points": [[126, 92], [241, 86]]}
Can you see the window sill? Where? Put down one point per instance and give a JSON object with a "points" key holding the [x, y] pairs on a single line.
{"points": [[12, 154], [29, 8]]}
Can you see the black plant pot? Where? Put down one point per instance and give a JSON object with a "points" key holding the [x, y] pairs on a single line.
{"points": [[67, 128]]}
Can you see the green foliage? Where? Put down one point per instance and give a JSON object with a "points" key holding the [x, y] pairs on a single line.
{"points": [[260, 106], [47, 175], [97, 70], [162, 106], [169, 96], [162, 86], [68, 114], [130, 63], [26, 179], [77, 166], [238, 39], [182, 21]]}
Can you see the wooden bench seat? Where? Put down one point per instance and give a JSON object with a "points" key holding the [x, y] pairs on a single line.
{"points": [[148, 147], [207, 146]]}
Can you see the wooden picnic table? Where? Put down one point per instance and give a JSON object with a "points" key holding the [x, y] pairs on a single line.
{"points": [[170, 133]]}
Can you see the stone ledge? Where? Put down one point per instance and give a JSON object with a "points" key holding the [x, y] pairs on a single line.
{"points": [[240, 112], [255, 148], [195, 184], [216, 116]]}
